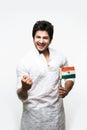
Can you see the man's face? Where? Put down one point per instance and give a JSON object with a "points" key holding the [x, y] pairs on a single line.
{"points": [[41, 40]]}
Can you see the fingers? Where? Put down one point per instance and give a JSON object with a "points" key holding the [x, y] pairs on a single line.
{"points": [[62, 92], [26, 79], [26, 83]]}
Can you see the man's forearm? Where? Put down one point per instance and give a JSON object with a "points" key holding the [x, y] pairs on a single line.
{"points": [[68, 85], [23, 95]]}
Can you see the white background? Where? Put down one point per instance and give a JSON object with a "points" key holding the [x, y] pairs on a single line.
{"points": [[70, 24]]}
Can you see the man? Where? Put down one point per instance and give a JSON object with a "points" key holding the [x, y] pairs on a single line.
{"points": [[38, 83]]}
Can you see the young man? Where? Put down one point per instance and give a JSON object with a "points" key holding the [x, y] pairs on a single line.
{"points": [[38, 83]]}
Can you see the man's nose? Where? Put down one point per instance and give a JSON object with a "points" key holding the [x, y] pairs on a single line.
{"points": [[41, 40]]}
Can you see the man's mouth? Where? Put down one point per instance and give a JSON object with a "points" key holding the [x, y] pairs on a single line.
{"points": [[41, 45]]}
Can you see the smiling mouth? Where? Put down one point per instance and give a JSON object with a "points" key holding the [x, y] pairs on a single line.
{"points": [[41, 45]]}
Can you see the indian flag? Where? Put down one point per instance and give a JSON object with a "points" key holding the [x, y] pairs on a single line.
{"points": [[67, 72]]}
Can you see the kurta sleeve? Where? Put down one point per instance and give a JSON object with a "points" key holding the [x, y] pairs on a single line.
{"points": [[20, 71], [66, 64]]}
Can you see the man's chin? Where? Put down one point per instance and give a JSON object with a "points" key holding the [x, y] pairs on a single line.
{"points": [[41, 50]]}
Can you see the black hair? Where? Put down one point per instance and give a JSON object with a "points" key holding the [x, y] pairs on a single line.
{"points": [[43, 26]]}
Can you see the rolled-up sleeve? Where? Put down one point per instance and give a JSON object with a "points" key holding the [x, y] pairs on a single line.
{"points": [[20, 71]]}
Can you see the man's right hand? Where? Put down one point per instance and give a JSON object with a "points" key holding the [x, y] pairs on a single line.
{"points": [[26, 83]]}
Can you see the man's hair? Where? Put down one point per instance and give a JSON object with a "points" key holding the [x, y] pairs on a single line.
{"points": [[43, 26]]}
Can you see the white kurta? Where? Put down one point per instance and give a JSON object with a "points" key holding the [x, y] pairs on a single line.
{"points": [[43, 110]]}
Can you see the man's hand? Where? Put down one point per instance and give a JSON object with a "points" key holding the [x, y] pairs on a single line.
{"points": [[26, 83], [62, 92]]}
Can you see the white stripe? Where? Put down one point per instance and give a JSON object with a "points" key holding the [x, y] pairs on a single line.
{"points": [[68, 72]]}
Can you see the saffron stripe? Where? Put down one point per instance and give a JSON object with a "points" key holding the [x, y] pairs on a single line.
{"points": [[67, 68]]}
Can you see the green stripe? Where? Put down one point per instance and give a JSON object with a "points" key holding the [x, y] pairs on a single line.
{"points": [[68, 76]]}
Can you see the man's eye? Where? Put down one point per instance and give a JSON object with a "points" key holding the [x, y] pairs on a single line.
{"points": [[45, 38], [37, 37]]}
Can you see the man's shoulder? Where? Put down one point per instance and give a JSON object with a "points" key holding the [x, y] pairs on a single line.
{"points": [[59, 56], [57, 52]]}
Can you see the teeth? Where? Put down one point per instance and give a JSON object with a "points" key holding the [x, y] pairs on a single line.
{"points": [[41, 44]]}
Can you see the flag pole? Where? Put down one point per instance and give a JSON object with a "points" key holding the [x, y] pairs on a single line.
{"points": [[60, 78]]}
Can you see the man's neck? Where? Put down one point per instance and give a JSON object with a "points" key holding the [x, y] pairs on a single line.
{"points": [[46, 54]]}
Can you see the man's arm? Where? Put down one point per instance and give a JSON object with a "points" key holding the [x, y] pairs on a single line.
{"points": [[23, 95], [63, 91], [26, 85]]}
